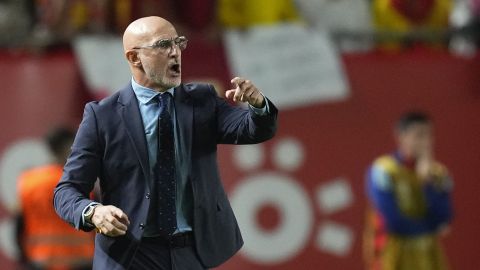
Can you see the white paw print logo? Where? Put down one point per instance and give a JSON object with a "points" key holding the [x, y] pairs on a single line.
{"points": [[279, 190]]}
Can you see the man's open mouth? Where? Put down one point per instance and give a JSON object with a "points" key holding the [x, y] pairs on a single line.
{"points": [[175, 68]]}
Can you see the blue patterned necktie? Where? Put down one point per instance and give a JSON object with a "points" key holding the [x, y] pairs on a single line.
{"points": [[165, 184]]}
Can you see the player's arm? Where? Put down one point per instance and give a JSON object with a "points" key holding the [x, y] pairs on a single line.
{"points": [[380, 191]]}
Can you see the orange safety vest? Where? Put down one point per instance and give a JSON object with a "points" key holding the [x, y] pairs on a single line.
{"points": [[49, 242]]}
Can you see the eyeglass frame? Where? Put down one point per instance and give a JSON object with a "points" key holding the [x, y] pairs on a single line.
{"points": [[173, 41]]}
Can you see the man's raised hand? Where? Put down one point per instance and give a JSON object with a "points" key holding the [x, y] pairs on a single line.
{"points": [[245, 91]]}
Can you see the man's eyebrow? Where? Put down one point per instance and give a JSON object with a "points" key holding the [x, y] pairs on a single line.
{"points": [[168, 38]]}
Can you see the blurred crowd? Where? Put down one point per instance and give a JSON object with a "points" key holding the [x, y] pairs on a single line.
{"points": [[353, 24]]}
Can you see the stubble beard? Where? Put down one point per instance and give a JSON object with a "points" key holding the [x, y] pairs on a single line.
{"points": [[163, 82]]}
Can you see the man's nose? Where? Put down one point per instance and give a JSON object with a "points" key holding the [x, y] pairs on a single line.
{"points": [[174, 50]]}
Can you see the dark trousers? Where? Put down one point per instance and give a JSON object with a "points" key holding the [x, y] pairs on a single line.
{"points": [[155, 254]]}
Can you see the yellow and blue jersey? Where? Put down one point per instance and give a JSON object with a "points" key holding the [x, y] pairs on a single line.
{"points": [[413, 211]]}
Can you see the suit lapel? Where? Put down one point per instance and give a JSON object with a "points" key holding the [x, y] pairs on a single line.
{"points": [[132, 119], [184, 115]]}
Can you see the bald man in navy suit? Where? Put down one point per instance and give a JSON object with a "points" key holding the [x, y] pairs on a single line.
{"points": [[153, 147]]}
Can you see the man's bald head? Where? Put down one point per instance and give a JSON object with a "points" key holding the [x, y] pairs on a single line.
{"points": [[144, 30], [154, 67]]}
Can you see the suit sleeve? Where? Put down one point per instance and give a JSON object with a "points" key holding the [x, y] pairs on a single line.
{"points": [[71, 194], [379, 188], [236, 125]]}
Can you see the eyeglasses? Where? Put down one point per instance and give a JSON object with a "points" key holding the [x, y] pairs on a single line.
{"points": [[165, 44]]}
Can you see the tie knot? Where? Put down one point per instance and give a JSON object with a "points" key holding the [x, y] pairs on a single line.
{"points": [[164, 99]]}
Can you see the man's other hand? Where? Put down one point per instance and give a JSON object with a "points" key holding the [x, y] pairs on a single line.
{"points": [[110, 220]]}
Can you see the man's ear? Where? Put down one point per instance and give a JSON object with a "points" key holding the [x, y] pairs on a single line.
{"points": [[133, 59]]}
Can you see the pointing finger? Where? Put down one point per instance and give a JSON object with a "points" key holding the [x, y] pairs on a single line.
{"points": [[237, 81], [238, 94], [249, 90], [247, 83]]}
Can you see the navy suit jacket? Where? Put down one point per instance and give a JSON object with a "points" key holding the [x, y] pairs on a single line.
{"points": [[110, 145]]}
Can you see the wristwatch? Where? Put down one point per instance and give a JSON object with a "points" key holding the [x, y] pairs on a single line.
{"points": [[87, 215]]}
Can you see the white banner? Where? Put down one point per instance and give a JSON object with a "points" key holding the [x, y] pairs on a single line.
{"points": [[292, 65]]}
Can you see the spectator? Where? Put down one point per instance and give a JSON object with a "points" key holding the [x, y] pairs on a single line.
{"points": [[410, 194], [407, 22], [246, 13], [45, 241]]}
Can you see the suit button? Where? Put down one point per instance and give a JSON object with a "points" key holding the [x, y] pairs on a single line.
{"points": [[148, 195], [142, 226]]}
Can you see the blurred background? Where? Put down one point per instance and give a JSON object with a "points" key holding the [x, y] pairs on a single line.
{"points": [[341, 72]]}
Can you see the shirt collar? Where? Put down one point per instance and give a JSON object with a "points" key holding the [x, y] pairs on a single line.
{"points": [[145, 94]]}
